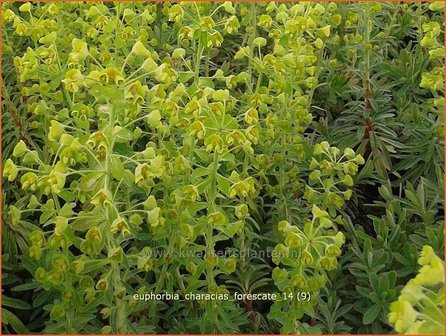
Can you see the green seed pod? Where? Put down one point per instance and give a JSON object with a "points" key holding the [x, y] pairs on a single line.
{"points": [[299, 281], [241, 211], [279, 274], [187, 231], [116, 255], [86, 282], [57, 312], [191, 268], [228, 265], [102, 197], [145, 263], [120, 225], [61, 224], [306, 258], [56, 278], [57, 242], [279, 253], [90, 294], [293, 240], [78, 265], [325, 222], [339, 239], [106, 330], [68, 295], [41, 275], [119, 293], [14, 214], [35, 252], [19, 149], [332, 251], [139, 49], [217, 219], [211, 259], [10, 170], [283, 226], [102, 285], [37, 238], [105, 312]]}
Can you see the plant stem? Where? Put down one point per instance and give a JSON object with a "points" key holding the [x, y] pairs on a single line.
{"points": [[366, 80]]}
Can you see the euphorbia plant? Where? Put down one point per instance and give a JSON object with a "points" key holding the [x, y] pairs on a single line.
{"points": [[153, 154]]}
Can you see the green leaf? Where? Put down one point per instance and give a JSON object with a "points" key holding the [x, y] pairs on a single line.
{"points": [[129, 178], [123, 135], [88, 182], [94, 265], [67, 210], [55, 82], [117, 168], [391, 280], [83, 223], [227, 157], [374, 281], [25, 287], [110, 27], [67, 195], [195, 207], [48, 210], [185, 76], [206, 82], [81, 123], [45, 297], [199, 172], [14, 303], [371, 314], [363, 291], [203, 186], [203, 155], [223, 184], [9, 318]]}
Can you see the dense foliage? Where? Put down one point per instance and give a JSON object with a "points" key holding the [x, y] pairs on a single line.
{"points": [[214, 148]]}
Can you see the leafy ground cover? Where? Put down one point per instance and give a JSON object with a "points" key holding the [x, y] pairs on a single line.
{"points": [[289, 149]]}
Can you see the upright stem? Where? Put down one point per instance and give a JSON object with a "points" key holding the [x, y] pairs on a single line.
{"points": [[366, 81], [251, 39], [209, 234], [110, 242], [198, 61]]}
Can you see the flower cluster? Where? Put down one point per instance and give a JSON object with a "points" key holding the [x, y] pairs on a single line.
{"points": [[433, 79], [419, 309], [166, 126]]}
